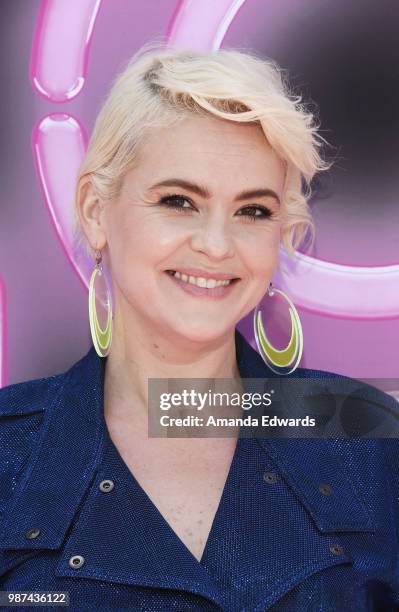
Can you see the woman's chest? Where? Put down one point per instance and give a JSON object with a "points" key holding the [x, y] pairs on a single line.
{"points": [[189, 511], [185, 489]]}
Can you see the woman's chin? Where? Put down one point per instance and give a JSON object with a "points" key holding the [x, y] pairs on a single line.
{"points": [[202, 334]]}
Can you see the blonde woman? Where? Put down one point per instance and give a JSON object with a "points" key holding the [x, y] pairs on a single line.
{"points": [[197, 170]]}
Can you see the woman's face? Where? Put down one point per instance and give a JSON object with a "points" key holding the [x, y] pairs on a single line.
{"points": [[202, 201]]}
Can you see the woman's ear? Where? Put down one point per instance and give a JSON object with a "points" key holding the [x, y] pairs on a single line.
{"points": [[90, 212]]}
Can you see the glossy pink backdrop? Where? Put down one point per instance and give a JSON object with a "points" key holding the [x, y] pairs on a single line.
{"points": [[346, 292]]}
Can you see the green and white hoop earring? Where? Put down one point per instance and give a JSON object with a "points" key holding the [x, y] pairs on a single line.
{"points": [[286, 360], [99, 293]]}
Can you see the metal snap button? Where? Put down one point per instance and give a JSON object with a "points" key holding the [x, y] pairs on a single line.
{"points": [[336, 549], [106, 486], [270, 477], [32, 533], [76, 561], [325, 489]]}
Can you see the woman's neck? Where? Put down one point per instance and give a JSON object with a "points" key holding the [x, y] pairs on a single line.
{"points": [[137, 355]]}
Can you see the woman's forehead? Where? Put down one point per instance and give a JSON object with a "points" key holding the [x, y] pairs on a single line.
{"points": [[192, 129], [198, 145]]}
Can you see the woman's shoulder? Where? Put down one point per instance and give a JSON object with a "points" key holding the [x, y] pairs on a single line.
{"points": [[355, 417], [364, 417], [28, 397], [36, 396], [362, 408], [23, 407], [50, 436]]}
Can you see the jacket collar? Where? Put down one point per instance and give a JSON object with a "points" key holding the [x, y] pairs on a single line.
{"points": [[46, 499]]}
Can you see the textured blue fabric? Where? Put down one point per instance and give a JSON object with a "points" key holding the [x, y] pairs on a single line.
{"points": [[279, 545]]}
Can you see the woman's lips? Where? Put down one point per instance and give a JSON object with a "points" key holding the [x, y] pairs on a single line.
{"points": [[216, 292]]}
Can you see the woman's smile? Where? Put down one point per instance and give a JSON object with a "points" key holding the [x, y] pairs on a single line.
{"points": [[200, 286]]}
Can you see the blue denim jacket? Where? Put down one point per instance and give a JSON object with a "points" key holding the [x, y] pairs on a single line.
{"points": [[303, 524]]}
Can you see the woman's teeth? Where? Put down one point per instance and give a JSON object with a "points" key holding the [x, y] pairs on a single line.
{"points": [[209, 283]]}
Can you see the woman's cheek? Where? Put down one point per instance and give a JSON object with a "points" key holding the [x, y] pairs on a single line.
{"points": [[168, 232], [261, 250]]}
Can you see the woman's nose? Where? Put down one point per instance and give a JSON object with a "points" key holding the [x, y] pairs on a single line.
{"points": [[214, 238]]}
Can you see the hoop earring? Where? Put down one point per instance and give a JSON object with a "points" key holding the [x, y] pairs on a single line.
{"points": [[279, 360], [101, 338]]}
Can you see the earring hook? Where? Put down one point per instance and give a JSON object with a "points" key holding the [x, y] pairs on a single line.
{"points": [[99, 257]]}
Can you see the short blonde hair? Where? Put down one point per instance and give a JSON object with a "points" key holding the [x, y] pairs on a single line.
{"points": [[160, 85]]}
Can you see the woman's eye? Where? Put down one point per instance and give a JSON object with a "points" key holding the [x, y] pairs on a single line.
{"points": [[178, 202], [184, 204], [256, 212]]}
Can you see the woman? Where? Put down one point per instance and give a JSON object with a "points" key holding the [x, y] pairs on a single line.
{"points": [[193, 175]]}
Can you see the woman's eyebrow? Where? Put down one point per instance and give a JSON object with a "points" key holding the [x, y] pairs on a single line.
{"points": [[257, 193], [175, 182], [203, 192]]}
